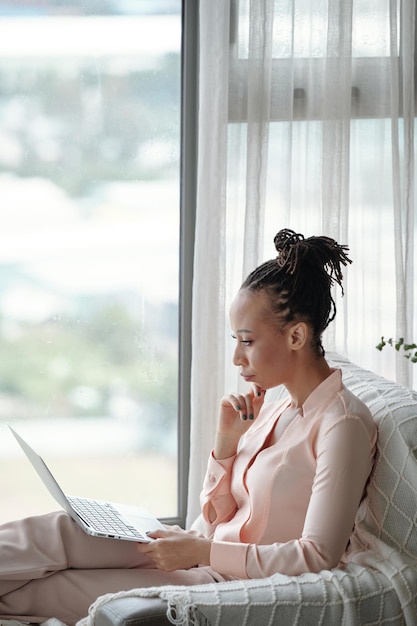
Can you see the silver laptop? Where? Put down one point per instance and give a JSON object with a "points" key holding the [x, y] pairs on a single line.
{"points": [[95, 517]]}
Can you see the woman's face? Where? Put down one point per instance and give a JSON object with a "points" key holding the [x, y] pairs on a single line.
{"points": [[263, 351]]}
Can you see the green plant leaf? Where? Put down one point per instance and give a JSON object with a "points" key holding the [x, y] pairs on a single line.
{"points": [[399, 344]]}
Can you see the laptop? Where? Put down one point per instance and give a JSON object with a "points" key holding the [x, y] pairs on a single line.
{"points": [[95, 517]]}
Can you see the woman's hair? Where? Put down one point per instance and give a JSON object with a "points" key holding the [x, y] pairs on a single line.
{"points": [[298, 282]]}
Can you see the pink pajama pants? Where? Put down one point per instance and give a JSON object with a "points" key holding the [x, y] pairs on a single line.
{"points": [[50, 568]]}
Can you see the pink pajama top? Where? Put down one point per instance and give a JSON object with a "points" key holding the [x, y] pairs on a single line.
{"points": [[286, 502]]}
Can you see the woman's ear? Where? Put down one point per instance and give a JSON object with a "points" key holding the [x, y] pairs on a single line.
{"points": [[298, 335]]}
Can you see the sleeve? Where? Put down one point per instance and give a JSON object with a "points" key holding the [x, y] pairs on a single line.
{"points": [[217, 502], [344, 460]]}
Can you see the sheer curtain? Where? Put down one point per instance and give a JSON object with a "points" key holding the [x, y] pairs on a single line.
{"points": [[306, 121]]}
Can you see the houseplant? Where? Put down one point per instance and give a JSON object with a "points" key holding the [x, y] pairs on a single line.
{"points": [[409, 349]]}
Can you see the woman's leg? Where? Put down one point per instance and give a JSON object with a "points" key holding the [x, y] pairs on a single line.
{"points": [[36, 547], [50, 568], [68, 595]]}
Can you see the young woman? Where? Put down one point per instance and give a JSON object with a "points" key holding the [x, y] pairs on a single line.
{"points": [[284, 479]]}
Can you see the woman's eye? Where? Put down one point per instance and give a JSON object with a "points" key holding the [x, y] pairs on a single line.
{"points": [[245, 342]]}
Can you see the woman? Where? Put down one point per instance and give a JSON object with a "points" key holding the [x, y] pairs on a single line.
{"points": [[284, 480]]}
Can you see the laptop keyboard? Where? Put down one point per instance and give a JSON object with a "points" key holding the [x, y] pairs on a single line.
{"points": [[103, 517]]}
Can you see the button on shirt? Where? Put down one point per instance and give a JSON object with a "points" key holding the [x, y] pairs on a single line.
{"points": [[286, 502]]}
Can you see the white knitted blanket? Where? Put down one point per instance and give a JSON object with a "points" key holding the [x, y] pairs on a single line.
{"points": [[356, 596], [376, 585]]}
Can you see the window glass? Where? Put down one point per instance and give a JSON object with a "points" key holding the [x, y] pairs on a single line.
{"points": [[89, 249]]}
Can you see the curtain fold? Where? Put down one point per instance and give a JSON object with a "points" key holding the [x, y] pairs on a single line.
{"points": [[258, 118], [306, 121], [402, 81], [207, 377]]}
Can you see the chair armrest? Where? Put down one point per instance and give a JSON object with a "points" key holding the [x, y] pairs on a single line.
{"points": [[133, 612]]}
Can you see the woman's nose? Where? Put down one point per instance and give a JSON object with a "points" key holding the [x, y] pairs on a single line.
{"points": [[237, 355]]}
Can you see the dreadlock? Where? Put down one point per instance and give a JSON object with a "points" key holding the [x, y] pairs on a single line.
{"points": [[299, 280]]}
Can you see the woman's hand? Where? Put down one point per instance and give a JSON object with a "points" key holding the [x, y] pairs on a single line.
{"points": [[175, 548], [237, 413]]}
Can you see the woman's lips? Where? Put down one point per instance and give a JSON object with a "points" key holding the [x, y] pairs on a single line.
{"points": [[247, 377]]}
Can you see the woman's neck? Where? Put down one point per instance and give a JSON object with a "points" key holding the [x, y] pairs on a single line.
{"points": [[309, 374]]}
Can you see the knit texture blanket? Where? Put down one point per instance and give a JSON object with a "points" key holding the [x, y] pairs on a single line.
{"points": [[377, 583]]}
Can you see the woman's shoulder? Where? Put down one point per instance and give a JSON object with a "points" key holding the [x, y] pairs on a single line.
{"points": [[354, 407], [347, 409], [334, 403]]}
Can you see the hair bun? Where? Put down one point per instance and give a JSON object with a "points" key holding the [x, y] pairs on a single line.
{"points": [[323, 252], [287, 244]]}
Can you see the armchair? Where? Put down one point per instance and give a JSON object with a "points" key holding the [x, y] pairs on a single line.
{"points": [[377, 585]]}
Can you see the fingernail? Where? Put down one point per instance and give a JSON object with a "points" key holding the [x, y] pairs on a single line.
{"points": [[251, 416], [237, 407], [259, 394], [244, 417]]}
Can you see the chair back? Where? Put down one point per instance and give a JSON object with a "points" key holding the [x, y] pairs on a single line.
{"points": [[389, 509]]}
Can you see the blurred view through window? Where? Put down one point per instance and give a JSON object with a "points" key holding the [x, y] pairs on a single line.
{"points": [[89, 246]]}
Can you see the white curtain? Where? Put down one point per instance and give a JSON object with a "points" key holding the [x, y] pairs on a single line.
{"points": [[306, 121]]}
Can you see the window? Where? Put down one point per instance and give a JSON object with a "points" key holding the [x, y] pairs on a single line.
{"points": [[90, 168]]}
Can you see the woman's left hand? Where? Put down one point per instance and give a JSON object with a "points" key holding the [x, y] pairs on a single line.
{"points": [[174, 548]]}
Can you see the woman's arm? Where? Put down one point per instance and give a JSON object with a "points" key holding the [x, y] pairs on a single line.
{"points": [[344, 460], [175, 548], [237, 413]]}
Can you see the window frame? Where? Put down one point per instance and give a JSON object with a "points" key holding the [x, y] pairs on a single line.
{"points": [[368, 77], [188, 187]]}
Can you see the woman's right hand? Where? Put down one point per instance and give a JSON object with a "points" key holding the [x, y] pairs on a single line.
{"points": [[237, 413]]}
